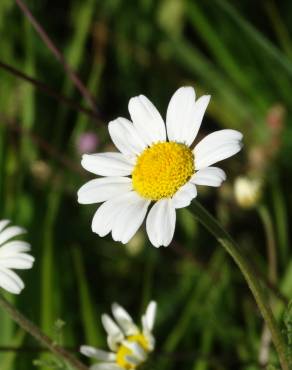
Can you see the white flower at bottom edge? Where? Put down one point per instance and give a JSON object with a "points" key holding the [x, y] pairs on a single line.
{"points": [[130, 346], [13, 256], [155, 164]]}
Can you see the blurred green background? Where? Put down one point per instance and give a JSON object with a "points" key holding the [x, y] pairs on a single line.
{"points": [[240, 53]]}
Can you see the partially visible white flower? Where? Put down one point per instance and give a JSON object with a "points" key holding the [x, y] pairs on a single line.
{"points": [[156, 164], [247, 191], [13, 256], [129, 345]]}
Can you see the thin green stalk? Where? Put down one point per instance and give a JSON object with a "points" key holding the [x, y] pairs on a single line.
{"points": [[33, 330], [271, 243], [229, 245], [281, 220], [57, 53], [272, 276]]}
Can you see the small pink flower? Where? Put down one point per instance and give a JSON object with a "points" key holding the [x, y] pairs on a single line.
{"points": [[275, 118], [87, 142]]}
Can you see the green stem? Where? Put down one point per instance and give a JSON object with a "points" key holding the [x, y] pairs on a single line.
{"points": [[272, 276], [271, 243], [229, 245], [33, 330]]}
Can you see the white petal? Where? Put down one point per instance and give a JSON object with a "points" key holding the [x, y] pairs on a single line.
{"points": [[183, 197], [125, 137], [147, 120], [112, 328], [13, 247], [160, 223], [98, 353], [150, 341], [3, 224], [106, 216], [150, 315], [112, 343], [10, 281], [20, 261], [124, 320], [100, 190], [107, 164], [130, 217], [210, 176], [10, 232], [134, 361], [184, 115], [217, 146], [137, 350], [105, 366]]}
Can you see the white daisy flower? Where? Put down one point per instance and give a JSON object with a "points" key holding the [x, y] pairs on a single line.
{"points": [[13, 256], [130, 346], [156, 164]]}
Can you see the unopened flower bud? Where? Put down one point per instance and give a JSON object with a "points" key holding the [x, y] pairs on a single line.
{"points": [[247, 191]]}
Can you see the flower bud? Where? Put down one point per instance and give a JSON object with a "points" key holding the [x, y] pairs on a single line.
{"points": [[247, 191]]}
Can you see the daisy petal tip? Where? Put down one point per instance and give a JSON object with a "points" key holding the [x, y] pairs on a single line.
{"points": [[84, 350], [125, 241], [185, 89], [113, 124], [22, 230], [79, 199], [132, 102], [84, 160], [235, 134], [17, 290], [104, 319], [98, 232], [165, 245], [206, 99], [31, 262]]}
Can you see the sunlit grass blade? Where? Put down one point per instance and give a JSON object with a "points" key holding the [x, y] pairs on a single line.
{"points": [[222, 55], [8, 358], [90, 318], [259, 39]]}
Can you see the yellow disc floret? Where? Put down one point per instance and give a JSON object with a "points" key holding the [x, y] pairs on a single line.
{"points": [[162, 169], [140, 339], [121, 358], [124, 351]]}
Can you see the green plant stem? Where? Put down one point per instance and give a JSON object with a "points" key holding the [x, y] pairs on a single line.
{"points": [[271, 243], [57, 53], [272, 276], [230, 246], [34, 331]]}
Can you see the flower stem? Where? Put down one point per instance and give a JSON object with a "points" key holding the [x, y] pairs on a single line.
{"points": [[271, 243], [57, 53], [230, 246], [272, 276], [34, 331]]}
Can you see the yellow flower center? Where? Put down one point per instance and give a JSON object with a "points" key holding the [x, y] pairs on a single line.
{"points": [[124, 351], [162, 169], [140, 339], [121, 358]]}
